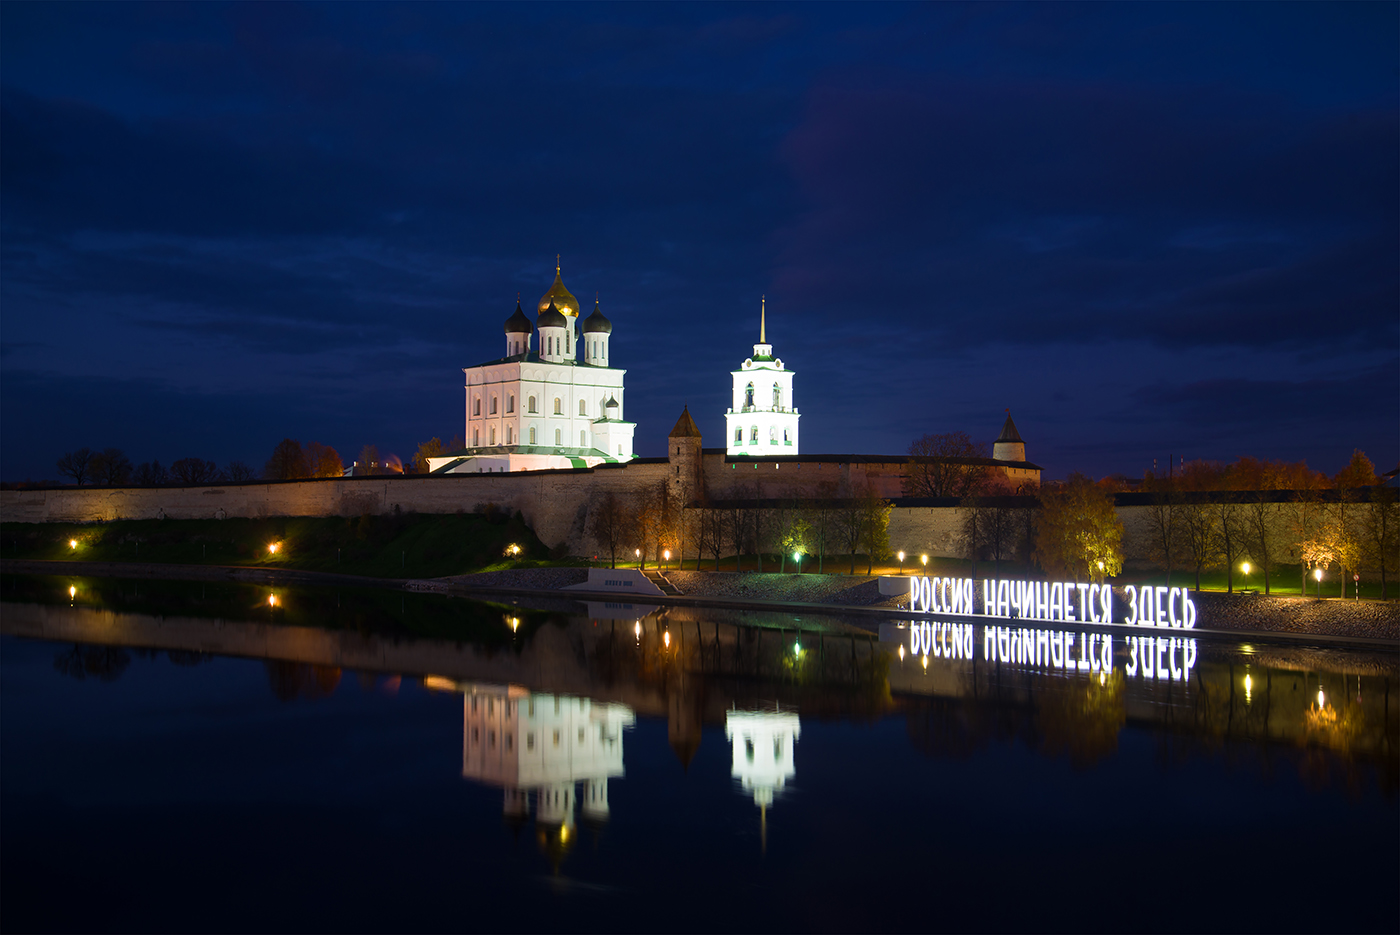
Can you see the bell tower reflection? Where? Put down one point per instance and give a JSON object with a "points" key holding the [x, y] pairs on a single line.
{"points": [[763, 749], [546, 746]]}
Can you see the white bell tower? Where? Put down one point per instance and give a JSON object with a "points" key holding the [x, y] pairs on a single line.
{"points": [[761, 419]]}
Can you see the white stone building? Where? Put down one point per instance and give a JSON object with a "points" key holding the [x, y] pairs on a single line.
{"points": [[540, 407], [761, 418]]}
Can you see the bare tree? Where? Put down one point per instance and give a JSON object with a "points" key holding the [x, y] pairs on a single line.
{"points": [[150, 474], [1259, 522], [111, 468], [194, 471], [608, 524], [874, 526], [239, 471], [1164, 515], [1380, 531], [369, 460], [946, 466], [1230, 534], [974, 529], [76, 464], [288, 462], [822, 514]]}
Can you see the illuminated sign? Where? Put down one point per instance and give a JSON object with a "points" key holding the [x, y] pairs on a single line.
{"points": [[1052, 601], [1148, 657]]}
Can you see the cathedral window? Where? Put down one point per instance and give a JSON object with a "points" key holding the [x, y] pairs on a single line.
{"points": [[748, 396], [583, 407], [777, 396], [476, 438], [493, 405], [510, 436], [787, 436], [739, 435], [558, 439], [476, 406], [583, 438], [532, 404], [558, 406], [532, 434], [493, 435], [753, 436], [510, 403], [773, 435]]}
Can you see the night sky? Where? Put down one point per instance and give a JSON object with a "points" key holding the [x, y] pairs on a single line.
{"points": [[1148, 230]]}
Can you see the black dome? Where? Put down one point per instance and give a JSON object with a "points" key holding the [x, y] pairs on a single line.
{"points": [[518, 323], [551, 317], [597, 323]]}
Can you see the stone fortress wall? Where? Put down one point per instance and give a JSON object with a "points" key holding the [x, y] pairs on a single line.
{"points": [[554, 503]]}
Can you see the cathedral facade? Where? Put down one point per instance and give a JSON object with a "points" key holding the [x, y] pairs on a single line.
{"points": [[541, 407], [761, 419]]}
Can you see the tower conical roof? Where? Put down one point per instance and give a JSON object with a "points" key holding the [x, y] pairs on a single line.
{"points": [[562, 298], [1008, 431], [685, 426]]}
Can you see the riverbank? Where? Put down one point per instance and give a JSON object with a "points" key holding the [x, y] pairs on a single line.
{"points": [[1325, 618]]}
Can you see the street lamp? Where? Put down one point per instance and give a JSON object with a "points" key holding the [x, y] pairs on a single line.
{"points": [[901, 563], [72, 543], [924, 559], [639, 557], [1245, 569], [1317, 576], [797, 557], [666, 555]]}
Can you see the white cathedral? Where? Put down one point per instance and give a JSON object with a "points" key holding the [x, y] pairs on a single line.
{"points": [[762, 419], [540, 407]]}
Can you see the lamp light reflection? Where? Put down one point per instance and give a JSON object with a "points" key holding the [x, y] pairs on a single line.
{"points": [[666, 638], [72, 592], [273, 600], [1321, 701]]}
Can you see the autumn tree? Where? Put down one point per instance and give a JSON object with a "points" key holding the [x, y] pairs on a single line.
{"points": [[1079, 532], [946, 466], [288, 462], [974, 528], [76, 464], [111, 468], [432, 448], [792, 529], [1359, 472], [194, 471], [323, 460]]}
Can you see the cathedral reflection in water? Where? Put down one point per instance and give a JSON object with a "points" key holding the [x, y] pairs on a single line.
{"points": [[545, 745]]}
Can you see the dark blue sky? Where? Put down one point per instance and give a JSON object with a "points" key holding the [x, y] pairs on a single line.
{"points": [[1146, 229]]}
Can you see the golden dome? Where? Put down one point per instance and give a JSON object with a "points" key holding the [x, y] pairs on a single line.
{"points": [[562, 298]]}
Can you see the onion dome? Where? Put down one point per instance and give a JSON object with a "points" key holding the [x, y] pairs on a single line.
{"points": [[611, 403], [551, 317], [562, 298], [596, 323], [518, 323]]}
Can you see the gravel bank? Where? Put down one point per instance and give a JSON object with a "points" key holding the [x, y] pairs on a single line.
{"points": [[858, 591]]}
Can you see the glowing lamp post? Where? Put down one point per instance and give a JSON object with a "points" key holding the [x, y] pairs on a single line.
{"points": [[639, 557], [924, 559], [1317, 576], [72, 543], [666, 555], [273, 548], [797, 557], [1245, 568], [901, 563]]}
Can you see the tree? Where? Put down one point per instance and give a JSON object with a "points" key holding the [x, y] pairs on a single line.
{"points": [[111, 468], [1164, 516], [76, 464], [1380, 531], [369, 460], [943, 466], [432, 448], [288, 462], [608, 524], [1260, 532], [1359, 472], [821, 520], [323, 460], [194, 471], [1230, 534], [850, 517], [974, 528], [150, 474], [874, 526], [792, 532], [239, 471], [1079, 532]]}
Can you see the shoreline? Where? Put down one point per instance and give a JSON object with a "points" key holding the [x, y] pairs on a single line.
{"points": [[1332, 620]]}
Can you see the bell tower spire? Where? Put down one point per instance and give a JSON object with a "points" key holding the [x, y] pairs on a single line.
{"points": [[763, 320]]}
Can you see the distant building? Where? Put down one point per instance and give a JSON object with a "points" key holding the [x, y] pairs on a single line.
{"points": [[540, 407], [762, 417]]}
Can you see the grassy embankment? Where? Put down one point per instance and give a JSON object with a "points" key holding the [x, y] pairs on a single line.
{"points": [[408, 545]]}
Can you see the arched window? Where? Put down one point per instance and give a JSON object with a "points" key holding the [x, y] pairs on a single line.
{"points": [[753, 436], [493, 435], [532, 434], [476, 438], [558, 440], [738, 435], [493, 405], [558, 406], [476, 406], [532, 404], [509, 436], [748, 396], [583, 438], [777, 396], [772, 435], [583, 407], [787, 436], [510, 403]]}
